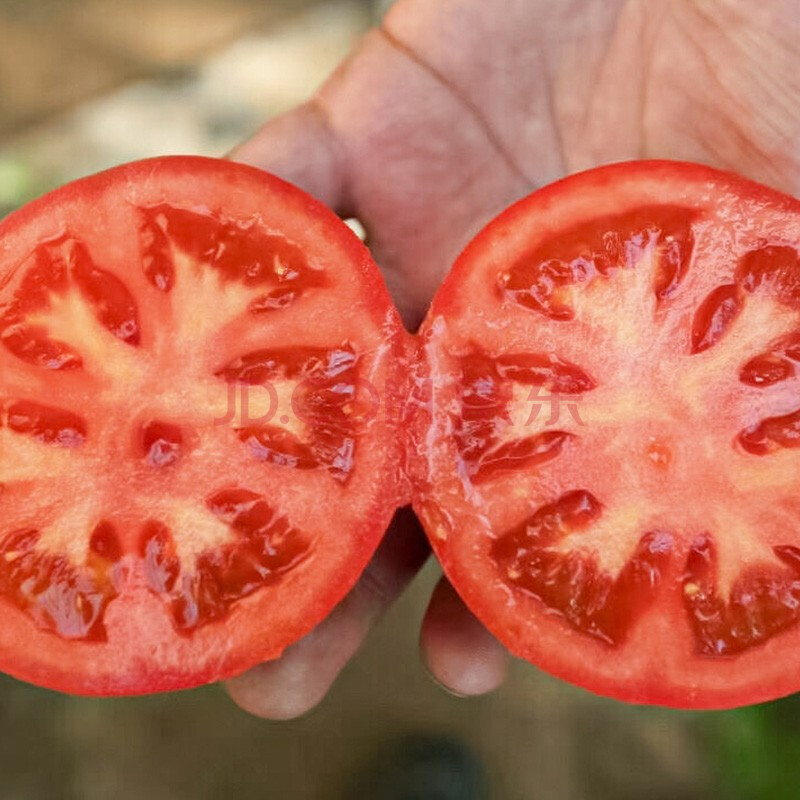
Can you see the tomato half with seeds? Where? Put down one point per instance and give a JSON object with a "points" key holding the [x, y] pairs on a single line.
{"points": [[193, 469], [613, 365]]}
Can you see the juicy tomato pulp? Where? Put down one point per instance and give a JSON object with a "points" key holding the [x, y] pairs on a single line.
{"points": [[614, 367], [193, 468]]}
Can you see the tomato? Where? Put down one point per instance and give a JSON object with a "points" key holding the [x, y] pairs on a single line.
{"points": [[609, 460], [209, 411], [192, 472]]}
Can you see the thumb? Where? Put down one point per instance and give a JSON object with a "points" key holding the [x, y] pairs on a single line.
{"points": [[301, 148]]}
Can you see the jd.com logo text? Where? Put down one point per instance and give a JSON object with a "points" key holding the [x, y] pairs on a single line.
{"points": [[361, 403]]}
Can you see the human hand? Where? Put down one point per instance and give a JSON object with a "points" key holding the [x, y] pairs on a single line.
{"points": [[452, 110]]}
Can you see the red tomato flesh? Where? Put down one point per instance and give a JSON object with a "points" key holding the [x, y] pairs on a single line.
{"points": [[157, 531], [612, 367]]}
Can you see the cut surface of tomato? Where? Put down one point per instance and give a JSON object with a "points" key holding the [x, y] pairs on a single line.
{"points": [[613, 368], [209, 412], [193, 465]]}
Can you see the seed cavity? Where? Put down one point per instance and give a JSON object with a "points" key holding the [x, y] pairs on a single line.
{"points": [[763, 601], [161, 443], [63, 598], [265, 547], [571, 583]]}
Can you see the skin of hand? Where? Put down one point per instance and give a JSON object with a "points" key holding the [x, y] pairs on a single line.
{"points": [[449, 112]]}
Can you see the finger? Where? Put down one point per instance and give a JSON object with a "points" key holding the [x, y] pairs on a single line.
{"points": [[301, 677], [301, 148], [459, 652]]}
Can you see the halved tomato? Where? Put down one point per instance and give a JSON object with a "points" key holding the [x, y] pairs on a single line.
{"points": [[613, 367], [194, 467], [209, 411]]}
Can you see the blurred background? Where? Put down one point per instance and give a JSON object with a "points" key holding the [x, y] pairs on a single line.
{"points": [[85, 84]]}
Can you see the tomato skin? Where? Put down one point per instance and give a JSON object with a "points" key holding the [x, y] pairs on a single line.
{"points": [[658, 660], [140, 650]]}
